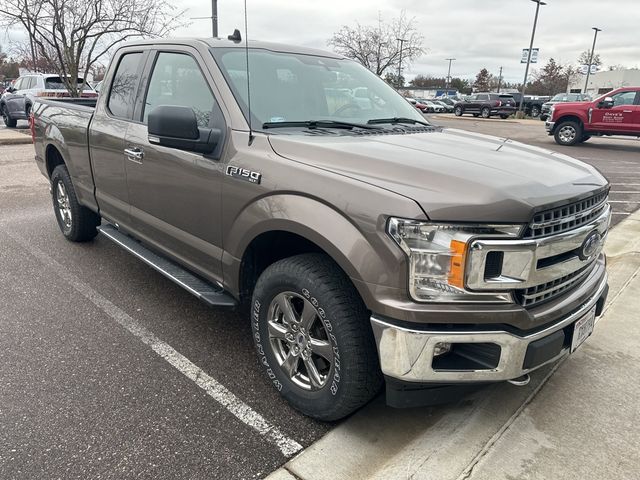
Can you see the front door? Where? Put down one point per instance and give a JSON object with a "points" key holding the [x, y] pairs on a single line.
{"points": [[175, 195], [620, 117]]}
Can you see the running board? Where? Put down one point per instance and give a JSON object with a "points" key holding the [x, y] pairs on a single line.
{"points": [[207, 292]]}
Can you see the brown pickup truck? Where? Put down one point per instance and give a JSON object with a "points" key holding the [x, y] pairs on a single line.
{"points": [[367, 247]]}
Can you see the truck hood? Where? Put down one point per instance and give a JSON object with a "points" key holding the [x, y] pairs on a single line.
{"points": [[452, 174]]}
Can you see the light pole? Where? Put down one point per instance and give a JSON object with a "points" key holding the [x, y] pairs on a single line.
{"points": [[500, 80], [401, 40], [593, 48], [213, 17], [533, 34], [448, 75]]}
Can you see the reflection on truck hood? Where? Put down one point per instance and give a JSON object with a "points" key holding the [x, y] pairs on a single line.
{"points": [[453, 175]]}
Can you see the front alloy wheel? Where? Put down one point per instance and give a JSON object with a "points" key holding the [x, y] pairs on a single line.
{"points": [[568, 133], [300, 341]]}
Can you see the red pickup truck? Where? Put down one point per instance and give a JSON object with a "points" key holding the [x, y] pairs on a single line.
{"points": [[615, 113]]}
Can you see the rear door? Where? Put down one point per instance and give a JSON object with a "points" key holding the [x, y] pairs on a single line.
{"points": [[114, 112], [622, 117], [473, 105], [176, 195]]}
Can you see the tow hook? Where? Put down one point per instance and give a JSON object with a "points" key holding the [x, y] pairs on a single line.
{"points": [[521, 381]]}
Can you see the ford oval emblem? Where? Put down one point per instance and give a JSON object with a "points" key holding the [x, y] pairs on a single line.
{"points": [[590, 245]]}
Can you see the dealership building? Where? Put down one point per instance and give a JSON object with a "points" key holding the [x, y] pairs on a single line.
{"points": [[603, 82]]}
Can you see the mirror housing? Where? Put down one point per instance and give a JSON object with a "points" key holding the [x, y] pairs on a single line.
{"points": [[10, 89], [606, 103], [177, 127]]}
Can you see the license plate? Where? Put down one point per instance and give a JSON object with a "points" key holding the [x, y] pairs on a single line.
{"points": [[583, 328]]}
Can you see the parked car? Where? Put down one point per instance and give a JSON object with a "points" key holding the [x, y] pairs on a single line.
{"points": [[486, 105], [532, 104], [615, 113], [365, 247], [562, 98], [432, 107], [16, 102], [420, 106], [448, 108]]}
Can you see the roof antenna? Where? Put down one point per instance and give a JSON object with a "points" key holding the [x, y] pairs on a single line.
{"points": [[235, 36], [246, 50]]}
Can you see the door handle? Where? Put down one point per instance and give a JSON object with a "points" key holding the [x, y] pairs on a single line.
{"points": [[134, 154], [627, 111]]}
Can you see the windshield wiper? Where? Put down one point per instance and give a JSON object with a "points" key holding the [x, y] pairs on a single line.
{"points": [[317, 124], [394, 120]]}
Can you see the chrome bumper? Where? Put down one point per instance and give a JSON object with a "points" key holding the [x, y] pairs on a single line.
{"points": [[407, 354], [548, 125]]}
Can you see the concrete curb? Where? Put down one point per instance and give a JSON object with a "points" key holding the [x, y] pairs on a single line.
{"points": [[446, 443], [15, 141], [15, 137]]}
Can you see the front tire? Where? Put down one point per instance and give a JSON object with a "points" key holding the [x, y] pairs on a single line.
{"points": [[312, 335], [535, 111], [77, 223], [568, 133], [458, 111]]}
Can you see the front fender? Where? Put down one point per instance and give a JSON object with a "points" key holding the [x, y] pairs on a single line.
{"points": [[362, 250]]}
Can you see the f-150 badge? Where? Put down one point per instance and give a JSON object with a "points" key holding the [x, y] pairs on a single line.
{"points": [[244, 174]]}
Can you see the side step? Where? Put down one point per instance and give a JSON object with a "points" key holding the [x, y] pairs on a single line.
{"points": [[209, 293]]}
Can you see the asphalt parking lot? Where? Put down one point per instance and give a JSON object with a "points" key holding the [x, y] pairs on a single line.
{"points": [[94, 347]]}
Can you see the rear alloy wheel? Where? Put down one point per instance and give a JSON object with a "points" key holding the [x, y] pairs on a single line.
{"points": [[568, 133], [312, 334], [485, 112], [8, 121], [458, 111], [535, 111], [77, 223]]}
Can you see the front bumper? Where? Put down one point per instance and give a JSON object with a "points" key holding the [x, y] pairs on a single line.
{"points": [[407, 355], [549, 126]]}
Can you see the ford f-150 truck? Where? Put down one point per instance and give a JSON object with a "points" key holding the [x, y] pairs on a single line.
{"points": [[615, 113], [367, 247]]}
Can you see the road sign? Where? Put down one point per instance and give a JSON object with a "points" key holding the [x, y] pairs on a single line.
{"points": [[584, 68], [525, 55]]}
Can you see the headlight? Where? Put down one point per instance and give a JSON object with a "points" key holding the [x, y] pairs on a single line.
{"points": [[437, 256], [551, 109]]}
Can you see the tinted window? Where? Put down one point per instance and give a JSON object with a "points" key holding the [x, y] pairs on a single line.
{"points": [[177, 80], [483, 97], [125, 84], [55, 83], [19, 83]]}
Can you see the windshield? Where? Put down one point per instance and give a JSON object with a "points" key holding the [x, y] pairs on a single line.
{"points": [[290, 87], [567, 97]]}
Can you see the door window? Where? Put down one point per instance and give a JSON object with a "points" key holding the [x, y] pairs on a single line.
{"points": [[624, 98], [177, 80], [123, 90], [19, 83]]}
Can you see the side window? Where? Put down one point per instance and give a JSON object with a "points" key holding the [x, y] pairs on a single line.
{"points": [[482, 98], [19, 83], [122, 93], [624, 98], [177, 80], [32, 83]]}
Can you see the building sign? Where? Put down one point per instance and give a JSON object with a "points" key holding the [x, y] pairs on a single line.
{"points": [[583, 69], [525, 55]]}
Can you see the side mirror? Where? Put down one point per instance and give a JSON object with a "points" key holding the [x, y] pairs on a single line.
{"points": [[11, 89], [606, 103], [177, 127]]}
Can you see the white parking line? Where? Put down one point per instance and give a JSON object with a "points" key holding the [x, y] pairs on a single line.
{"points": [[623, 201], [215, 390], [620, 213]]}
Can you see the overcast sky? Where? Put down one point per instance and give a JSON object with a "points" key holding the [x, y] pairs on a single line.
{"points": [[478, 33]]}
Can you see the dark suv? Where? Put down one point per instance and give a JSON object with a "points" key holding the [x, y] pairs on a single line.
{"points": [[487, 104]]}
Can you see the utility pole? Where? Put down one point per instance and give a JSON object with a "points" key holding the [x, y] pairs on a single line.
{"points": [[213, 17], [499, 79], [401, 40], [448, 75], [593, 48], [533, 34]]}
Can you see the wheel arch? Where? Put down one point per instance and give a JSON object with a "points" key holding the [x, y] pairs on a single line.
{"points": [[52, 158], [570, 117]]}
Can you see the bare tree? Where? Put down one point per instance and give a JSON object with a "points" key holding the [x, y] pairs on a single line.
{"points": [[377, 47], [72, 35]]}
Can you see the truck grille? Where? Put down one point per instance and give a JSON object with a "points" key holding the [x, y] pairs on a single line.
{"points": [[566, 217], [529, 297]]}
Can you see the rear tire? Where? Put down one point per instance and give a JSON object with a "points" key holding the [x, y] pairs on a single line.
{"points": [[485, 112], [568, 133], [8, 121], [312, 335], [535, 111], [77, 223], [458, 111]]}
